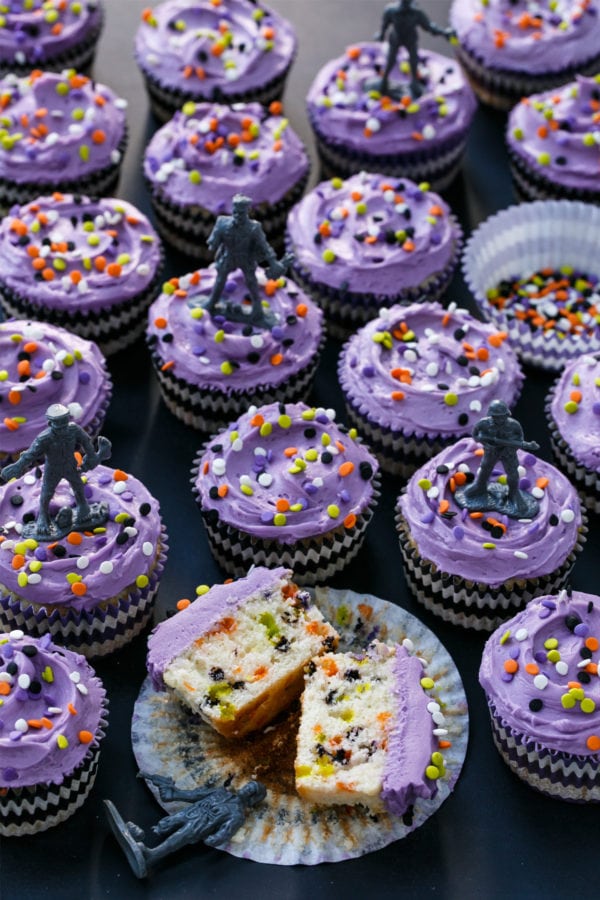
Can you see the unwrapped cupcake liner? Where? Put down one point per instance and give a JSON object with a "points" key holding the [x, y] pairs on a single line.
{"points": [[521, 240], [29, 810], [101, 183], [166, 101], [346, 311], [313, 560], [112, 328], [586, 481], [532, 185], [187, 228], [474, 604], [96, 632], [502, 88], [553, 772], [210, 409], [437, 164]]}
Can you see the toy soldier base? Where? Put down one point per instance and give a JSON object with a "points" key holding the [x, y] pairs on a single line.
{"points": [[496, 497]]}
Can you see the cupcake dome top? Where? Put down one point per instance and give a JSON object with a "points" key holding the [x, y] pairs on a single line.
{"points": [[575, 409], [209, 152], [344, 109], [33, 31], [285, 472], [52, 710], [425, 370], [552, 36], [58, 127], [490, 548], [372, 234], [539, 670], [206, 47]]}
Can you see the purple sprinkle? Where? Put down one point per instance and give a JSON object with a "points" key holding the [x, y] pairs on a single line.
{"points": [[368, 371], [266, 517], [525, 484], [323, 418], [88, 490], [199, 328], [15, 736], [514, 652], [581, 630], [199, 350], [277, 332], [458, 532], [548, 603], [535, 527], [529, 460], [126, 495], [84, 378], [45, 641], [104, 478], [428, 517], [435, 239], [9, 651], [21, 695], [344, 496], [544, 613], [10, 774], [596, 408], [310, 488], [540, 657], [228, 327], [506, 676]]}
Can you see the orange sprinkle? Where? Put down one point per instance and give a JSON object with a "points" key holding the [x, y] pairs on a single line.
{"points": [[260, 672], [276, 359], [276, 107], [18, 561], [460, 478], [270, 287], [346, 468], [188, 686], [542, 482], [350, 520], [72, 709], [444, 506], [444, 745], [11, 424], [575, 396], [223, 490], [98, 136], [183, 603], [301, 310], [48, 274], [79, 588], [160, 322], [592, 643], [532, 669], [86, 737], [100, 263], [74, 538], [353, 52], [120, 475], [4, 689], [408, 246], [75, 276], [511, 666], [397, 395], [593, 743], [329, 666], [257, 420], [366, 610], [282, 505], [290, 451], [114, 269], [14, 397]]}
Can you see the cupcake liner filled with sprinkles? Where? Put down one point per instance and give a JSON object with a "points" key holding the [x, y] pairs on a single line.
{"points": [[284, 829], [534, 271]]}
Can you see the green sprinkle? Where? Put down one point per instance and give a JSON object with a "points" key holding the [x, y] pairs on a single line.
{"points": [[142, 581], [62, 742], [194, 176], [279, 519], [333, 511], [427, 683]]}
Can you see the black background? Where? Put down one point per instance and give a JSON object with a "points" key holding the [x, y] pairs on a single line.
{"points": [[494, 836]]}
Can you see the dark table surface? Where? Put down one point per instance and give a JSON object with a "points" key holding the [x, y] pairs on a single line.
{"points": [[494, 836]]}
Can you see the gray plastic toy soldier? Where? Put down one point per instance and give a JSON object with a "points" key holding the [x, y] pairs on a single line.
{"points": [[213, 816], [401, 22], [239, 242], [501, 436], [56, 445]]}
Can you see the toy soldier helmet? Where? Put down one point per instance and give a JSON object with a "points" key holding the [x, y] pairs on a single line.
{"points": [[498, 408], [58, 414], [240, 201]]}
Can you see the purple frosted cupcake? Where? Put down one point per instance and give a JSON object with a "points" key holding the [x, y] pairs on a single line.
{"points": [[511, 49], [196, 163], [73, 141], [554, 143], [371, 241], [284, 485], [41, 364], [534, 272], [92, 266], [236, 51], [540, 675], [573, 412], [92, 591], [356, 128], [211, 369], [417, 378], [35, 34], [476, 569], [54, 717]]}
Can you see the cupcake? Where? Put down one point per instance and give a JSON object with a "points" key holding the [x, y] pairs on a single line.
{"points": [[358, 128], [284, 485], [81, 558], [212, 367], [476, 566], [51, 36], [73, 140], [573, 411], [41, 364], [539, 673], [92, 266], [371, 241], [208, 152], [236, 52], [533, 270], [54, 717], [554, 143], [417, 378], [510, 49]]}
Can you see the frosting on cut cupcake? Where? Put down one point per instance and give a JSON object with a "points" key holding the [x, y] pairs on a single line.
{"points": [[490, 548], [52, 710], [33, 31], [540, 672], [345, 111], [207, 153], [210, 45], [372, 234], [575, 409]]}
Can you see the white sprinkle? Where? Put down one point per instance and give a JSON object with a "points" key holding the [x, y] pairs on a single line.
{"points": [[21, 725], [256, 341], [265, 480], [16, 634], [522, 634], [260, 451], [219, 466], [82, 689], [245, 479], [475, 405], [147, 548], [4, 676], [318, 482], [75, 677], [540, 682], [439, 718], [537, 493], [24, 681], [106, 567], [433, 492], [567, 515], [520, 554], [561, 667], [119, 487], [428, 132], [83, 562], [33, 578], [440, 732], [131, 531], [54, 710], [75, 409], [237, 445], [29, 479], [432, 369]]}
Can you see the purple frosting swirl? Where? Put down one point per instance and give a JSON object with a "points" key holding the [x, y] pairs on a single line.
{"points": [[578, 420], [32, 31], [52, 711]]}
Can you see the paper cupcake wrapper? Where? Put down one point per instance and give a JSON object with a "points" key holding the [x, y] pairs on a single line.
{"points": [[187, 228], [503, 88], [112, 328], [553, 772], [312, 560], [521, 240], [101, 183], [438, 165], [165, 101], [210, 409], [96, 632], [531, 185], [28, 810], [473, 604], [347, 311], [587, 481], [284, 829]]}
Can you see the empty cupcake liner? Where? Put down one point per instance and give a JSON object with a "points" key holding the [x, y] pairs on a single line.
{"points": [[521, 240]]}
